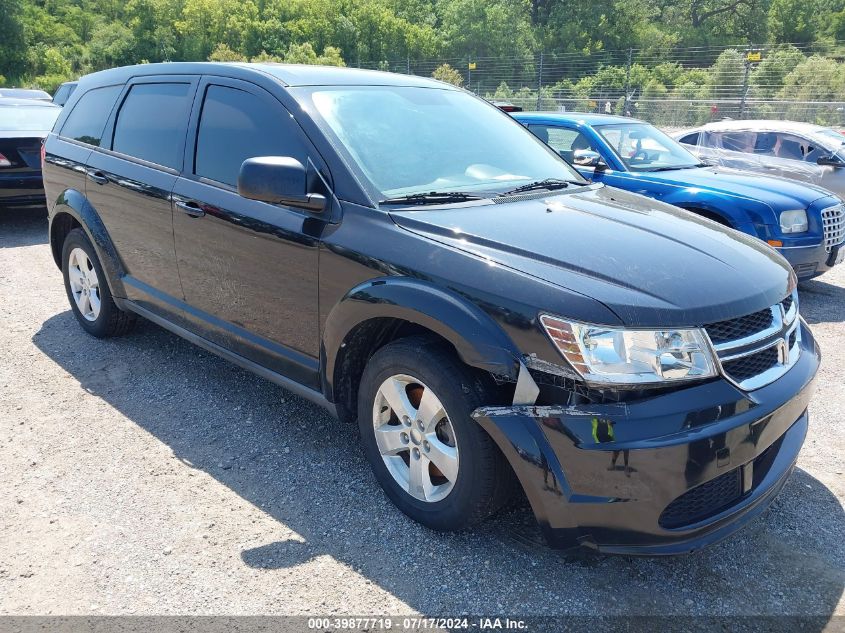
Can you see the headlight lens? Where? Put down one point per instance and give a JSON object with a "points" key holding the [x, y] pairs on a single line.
{"points": [[793, 221], [631, 357]]}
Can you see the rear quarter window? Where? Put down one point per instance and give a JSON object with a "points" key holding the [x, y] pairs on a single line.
{"points": [[152, 122], [87, 120]]}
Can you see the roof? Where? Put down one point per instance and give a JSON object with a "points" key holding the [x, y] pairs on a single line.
{"points": [[584, 118], [763, 125], [32, 103], [287, 74], [23, 93]]}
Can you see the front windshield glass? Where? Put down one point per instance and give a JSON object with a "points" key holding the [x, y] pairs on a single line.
{"points": [[642, 147], [27, 118], [411, 140]]}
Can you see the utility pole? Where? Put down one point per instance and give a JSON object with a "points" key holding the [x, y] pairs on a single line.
{"points": [[539, 81], [408, 65]]}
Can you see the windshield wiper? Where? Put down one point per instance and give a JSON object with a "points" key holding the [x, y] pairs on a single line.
{"points": [[432, 197], [546, 183]]}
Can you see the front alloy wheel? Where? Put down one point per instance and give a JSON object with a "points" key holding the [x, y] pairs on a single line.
{"points": [[415, 438], [433, 460]]}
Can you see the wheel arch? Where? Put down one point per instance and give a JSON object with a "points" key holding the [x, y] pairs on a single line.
{"points": [[72, 210], [382, 310]]}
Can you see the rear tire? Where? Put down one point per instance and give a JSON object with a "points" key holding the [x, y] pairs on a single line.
{"points": [[433, 460], [88, 290]]}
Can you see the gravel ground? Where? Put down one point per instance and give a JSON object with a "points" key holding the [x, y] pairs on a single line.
{"points": [[142, 475]]}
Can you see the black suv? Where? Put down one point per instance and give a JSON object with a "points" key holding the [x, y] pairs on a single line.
{"points": [[407, 255]]}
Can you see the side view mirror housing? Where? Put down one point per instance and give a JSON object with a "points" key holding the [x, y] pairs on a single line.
{"points": [[278, 180], [588, 158], [832, 160]]}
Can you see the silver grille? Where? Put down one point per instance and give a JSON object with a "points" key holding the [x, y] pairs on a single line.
{"points": [[757, 356], [833, 220]]}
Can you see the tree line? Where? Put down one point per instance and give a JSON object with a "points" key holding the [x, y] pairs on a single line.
{"points": [[45, 42]]}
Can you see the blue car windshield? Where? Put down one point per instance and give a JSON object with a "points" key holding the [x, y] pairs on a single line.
{"points": [[412, 140], [642, 147]]}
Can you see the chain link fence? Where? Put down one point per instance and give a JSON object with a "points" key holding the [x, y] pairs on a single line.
{"points": [[670, 88]]}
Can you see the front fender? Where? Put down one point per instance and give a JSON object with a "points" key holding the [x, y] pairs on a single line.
{"points": [[73, 203], [479, 340], [735, 212]]}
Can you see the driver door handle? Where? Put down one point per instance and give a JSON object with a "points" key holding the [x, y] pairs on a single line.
{"points": [[191, 208], [99, 177]]}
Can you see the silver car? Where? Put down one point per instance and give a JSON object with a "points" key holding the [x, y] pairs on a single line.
{"points": [[799, 151]]}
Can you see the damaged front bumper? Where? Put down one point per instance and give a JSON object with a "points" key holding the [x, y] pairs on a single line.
{"points": [[662, 475]]}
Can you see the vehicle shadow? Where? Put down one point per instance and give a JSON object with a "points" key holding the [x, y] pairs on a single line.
{"points": [[22, 227], [305, 469], [821, 302]]}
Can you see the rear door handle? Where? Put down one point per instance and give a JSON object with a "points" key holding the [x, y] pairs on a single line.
{"points": [[99, 177], [191, 208]]}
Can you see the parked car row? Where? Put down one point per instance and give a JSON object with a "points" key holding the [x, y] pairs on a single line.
{"points": [[803, 221]]}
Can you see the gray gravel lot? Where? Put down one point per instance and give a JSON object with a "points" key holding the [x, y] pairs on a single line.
{"points": [[142, 475]]}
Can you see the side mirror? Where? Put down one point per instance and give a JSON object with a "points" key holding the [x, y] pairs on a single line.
{"points": [[588, 158], [832, 161], [278, 180]]}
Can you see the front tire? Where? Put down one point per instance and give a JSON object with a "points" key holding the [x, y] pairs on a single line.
{"points": [[88, 290], [434, 462]]}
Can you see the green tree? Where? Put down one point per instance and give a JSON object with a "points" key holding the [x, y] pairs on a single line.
{"points": [[12, 42], [446, 73]]}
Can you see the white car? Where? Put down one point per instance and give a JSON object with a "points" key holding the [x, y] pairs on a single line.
{"points": [[799, 151]]}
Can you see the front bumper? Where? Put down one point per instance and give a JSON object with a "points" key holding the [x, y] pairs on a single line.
{"points": [[810, 261], [679, 471]]}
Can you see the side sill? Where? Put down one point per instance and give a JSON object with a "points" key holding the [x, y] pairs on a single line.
{"points": [[286, 383]]}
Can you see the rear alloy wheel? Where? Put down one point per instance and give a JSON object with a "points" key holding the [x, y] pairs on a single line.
{"points": [[88, 289], [432, 459], [84, 284]]}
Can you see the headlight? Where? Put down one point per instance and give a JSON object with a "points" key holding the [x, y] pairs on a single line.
{"points": [[793, 221], [631, 357]]}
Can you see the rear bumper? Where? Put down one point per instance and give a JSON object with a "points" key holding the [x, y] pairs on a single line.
{"points": [[682, 470], [22, 189]]}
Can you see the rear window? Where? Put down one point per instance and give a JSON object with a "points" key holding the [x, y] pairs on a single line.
{"points": [[689, 139], [87, 120], [151, 123], [18, 118]]}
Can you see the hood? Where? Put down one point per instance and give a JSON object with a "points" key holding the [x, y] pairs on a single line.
{"points": [[652, 264], [779, 193]]}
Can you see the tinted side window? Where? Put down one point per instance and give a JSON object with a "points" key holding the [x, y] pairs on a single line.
{"points": [[151, 123], [236, 125], [88, 119], [690, 139]]}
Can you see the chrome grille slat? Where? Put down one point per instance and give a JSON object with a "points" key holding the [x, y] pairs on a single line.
{"points": [[764, 346], [833, 222]]}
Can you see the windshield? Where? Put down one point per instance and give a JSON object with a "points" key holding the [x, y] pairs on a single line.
{"points": [[27, 118], [410, 140], [642, 147]]}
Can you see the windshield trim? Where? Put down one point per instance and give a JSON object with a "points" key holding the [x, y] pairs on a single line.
{"points": [[694, 162]]}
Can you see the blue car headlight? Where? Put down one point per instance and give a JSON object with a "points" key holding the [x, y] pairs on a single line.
{"points": [[794, 221]]}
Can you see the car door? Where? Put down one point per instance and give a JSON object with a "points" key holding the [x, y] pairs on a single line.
{"points": [[129, 181], [248, 268]]}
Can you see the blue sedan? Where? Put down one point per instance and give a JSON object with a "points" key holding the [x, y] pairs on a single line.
{"points": [[797, 219]]}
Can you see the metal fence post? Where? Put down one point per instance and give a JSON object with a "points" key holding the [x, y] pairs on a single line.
{"points": [[627, 81], [539, 81], [745, 75]]}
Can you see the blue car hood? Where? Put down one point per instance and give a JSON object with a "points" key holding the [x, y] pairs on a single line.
{"points": [[778, 193], [651, 263]]}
